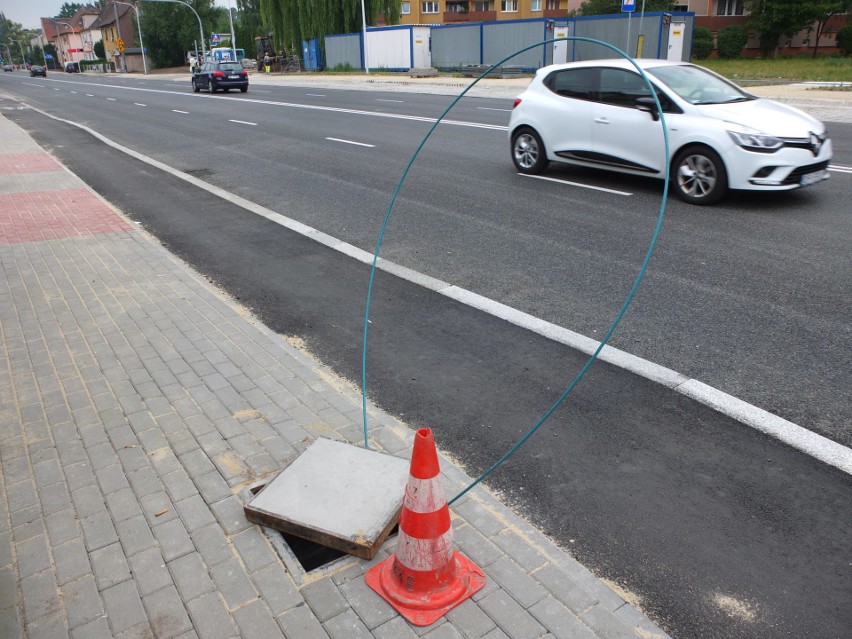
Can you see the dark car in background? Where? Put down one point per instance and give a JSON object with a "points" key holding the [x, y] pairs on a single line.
{"points": [[223, 75], [37, 69]]}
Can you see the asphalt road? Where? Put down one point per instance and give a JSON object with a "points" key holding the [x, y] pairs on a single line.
{"points": [[721, 531]]}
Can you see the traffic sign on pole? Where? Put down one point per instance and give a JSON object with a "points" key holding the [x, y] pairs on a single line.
{"points": [[214, 38], [628, 6]]}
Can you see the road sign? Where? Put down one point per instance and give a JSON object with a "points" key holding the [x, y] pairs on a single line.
{"points": [[120, 44], [214, 39], [48, 56], [628, 6]]}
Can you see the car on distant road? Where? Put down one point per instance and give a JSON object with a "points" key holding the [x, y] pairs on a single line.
{"points": [[37, 69], [214, 76], [8, 67], [601, 114]]}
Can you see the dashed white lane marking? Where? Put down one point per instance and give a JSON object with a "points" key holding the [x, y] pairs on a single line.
{"points": [[817, 446], [111, 99], [578, 184], [184, 112], [491, 109], [243, 122], [372, 146], [383, 100], [839, 168], [139, 104], [90, 95], [316, 95]]}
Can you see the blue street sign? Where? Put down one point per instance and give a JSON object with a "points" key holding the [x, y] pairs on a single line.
{"points": [[628, 6], [48, 56], [214, 39]]}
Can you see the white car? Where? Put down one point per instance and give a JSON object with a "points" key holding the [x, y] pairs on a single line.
{"points": [[600, 114]]}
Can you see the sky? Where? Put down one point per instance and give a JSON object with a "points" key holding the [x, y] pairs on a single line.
{"points": [[28, 12]]}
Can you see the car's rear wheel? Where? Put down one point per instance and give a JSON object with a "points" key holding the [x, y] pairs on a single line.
{"points": [[210, 86], [195, 87], [528, 151], [699, 175], [243, 89]]}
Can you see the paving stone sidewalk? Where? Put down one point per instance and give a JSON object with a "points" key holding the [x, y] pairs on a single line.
{"points": [[137, 407]]}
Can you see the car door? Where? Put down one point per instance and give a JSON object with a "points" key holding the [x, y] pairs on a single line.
{"points": [[564, 112], [622, 134]]}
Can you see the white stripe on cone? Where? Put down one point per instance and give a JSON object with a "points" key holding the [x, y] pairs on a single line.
{"points": [[424, 495], [424, 554]]}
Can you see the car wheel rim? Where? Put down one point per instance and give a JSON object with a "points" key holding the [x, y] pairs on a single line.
{"points": [[526, 151], [697, 176]]}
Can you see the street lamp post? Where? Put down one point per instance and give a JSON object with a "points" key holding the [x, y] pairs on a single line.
{"points": [[139, 26], [200, 27], [23, 55], [364, 36], [233, 37]]}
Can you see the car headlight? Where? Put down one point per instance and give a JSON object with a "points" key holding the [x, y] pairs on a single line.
{"points": [[756, 141]]}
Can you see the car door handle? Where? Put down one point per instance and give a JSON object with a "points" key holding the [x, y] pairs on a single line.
{"points": [[602, 120]]}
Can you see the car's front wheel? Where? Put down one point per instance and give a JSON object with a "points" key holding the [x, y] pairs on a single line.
{"points": [[699, 175], [528, 151], [195, 87]]}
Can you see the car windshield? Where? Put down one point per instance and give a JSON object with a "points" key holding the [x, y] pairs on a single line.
{"points": [[230, 66], [697, 86]]}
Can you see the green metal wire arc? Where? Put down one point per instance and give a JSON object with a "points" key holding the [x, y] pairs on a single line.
{"points": [[640, 275]]}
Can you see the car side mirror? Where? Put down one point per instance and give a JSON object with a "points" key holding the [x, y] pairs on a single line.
{"points": [[648, 105]]}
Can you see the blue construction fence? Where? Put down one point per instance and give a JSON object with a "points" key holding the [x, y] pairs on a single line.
{"points": [[453, 46]]}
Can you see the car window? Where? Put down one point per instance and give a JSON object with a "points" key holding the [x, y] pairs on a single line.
{"points": [[574, 83], [231, 66], [699, 86], [621, 87]]}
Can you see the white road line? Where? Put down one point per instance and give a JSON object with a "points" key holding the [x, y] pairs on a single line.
{"points": [[33, 84], [184, 112], [139, 104], [817, 446], [839, 168], [111, 99], [372, 146], [243, 122], [582, 186], [296, 105], [383, 100], [90, 95], [316, 95], [73, 92], [490, 109], [55, 89]]}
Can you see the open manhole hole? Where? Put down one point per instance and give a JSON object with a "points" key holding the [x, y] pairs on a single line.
{"points": [[334, 500]]}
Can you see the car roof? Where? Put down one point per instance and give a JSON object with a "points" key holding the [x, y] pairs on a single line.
{"points": [[619, 63]]}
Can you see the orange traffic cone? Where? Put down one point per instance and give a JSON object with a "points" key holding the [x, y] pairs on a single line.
{"points": [[425, 578]]}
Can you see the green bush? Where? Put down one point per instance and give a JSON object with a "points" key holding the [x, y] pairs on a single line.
{"points": [[702, 43], [732, 39], [844, 39]]}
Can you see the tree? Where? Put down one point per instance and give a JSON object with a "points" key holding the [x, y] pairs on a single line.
{"points": [[68, 9], [844, 40], [606, 7], [702, 43], [171, 29], [248, 24], [732, 39], [821, 11], [100, 51], [297, 20], [775, 18]]}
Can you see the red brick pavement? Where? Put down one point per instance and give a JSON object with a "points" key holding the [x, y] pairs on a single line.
{"points": [[21, 163], [51, 215]]}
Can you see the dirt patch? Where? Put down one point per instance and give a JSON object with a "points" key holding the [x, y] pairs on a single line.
{"points": [[736, 608]]}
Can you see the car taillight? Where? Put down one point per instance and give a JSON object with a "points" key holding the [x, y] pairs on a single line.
{"points": [[244, 72], [218, 74], [517, 102]]}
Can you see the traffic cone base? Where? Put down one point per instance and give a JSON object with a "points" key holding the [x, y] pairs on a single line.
{"points": [[461, 579], [425, 579]]}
